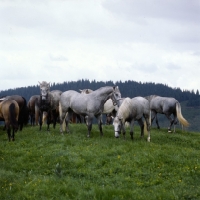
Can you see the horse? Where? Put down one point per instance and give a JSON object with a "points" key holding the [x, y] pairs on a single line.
{"points": [[23, 109], [54, 107], [167, 106], [9, 111], [48, 102], [132, 110], [89, 106], [44, 103], [33, 109], [55, 98], [108, 108]]}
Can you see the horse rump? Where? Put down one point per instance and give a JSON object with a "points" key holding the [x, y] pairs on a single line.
{"points": [[9, 110]]}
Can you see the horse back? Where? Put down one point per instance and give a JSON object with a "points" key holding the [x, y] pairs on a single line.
{"points": [[139, 107], [163, 104]]}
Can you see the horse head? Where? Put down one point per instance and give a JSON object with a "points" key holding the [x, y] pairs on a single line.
{"points": [[117, 123], [116, 95], [44, 90]]}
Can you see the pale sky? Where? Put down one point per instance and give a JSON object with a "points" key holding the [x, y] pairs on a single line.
{"points": [[118, 40]]}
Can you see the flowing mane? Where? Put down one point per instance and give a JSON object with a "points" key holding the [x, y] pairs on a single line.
{"points": [[124, 109]]}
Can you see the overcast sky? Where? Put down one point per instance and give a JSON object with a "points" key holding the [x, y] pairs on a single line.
{"points": [[68, 40]]}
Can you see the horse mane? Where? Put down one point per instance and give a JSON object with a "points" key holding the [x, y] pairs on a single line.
{"points": [[150, 97], [124, 109], [85, 91]]}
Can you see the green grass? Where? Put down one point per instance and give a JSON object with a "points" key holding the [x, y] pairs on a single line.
{"points": [[99, 167]]}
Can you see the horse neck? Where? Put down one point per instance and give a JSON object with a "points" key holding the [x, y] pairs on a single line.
{"points": [[103, 93], [123, 111]]}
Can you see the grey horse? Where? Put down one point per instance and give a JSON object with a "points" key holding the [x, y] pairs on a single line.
{"points": [[132, 110], [89, 106], [109, 109], [167, 106]]}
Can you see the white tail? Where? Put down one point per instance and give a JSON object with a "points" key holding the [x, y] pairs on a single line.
{"points": [[180, 117]]}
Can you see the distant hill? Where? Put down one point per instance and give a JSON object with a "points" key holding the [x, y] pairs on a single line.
{"points": [[189, 100]]}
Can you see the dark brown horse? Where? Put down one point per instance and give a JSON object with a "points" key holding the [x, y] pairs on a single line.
{"points": [[9, 112], [33, 109], [50, 106], [23, 109]]}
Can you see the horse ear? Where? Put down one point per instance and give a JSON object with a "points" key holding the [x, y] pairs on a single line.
{"points": [[80, 90], [39, 82]]}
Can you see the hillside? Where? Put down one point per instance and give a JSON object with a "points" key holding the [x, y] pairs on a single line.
{"points": [[189, 100], [47, 165]]}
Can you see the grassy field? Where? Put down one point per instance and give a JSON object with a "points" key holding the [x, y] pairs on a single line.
{"points": [[47, 165]]}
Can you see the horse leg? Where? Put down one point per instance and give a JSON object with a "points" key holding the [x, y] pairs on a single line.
{"points": [[89, 124], [99, 118], [148, 127], [8, 131], [153, 115], [157, 122], [175, 121], [48, 119], [171, 122], [40, 119], [79, 119], [141, 123], [131, 129], [54, 115], [62, 118], [67, 119], [13, 134], [37, 115]]}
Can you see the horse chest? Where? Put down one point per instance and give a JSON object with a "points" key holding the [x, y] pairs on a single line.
{"points": [[44, 105]]}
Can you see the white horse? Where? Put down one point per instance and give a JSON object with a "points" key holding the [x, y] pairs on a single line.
{"points": [[132, 110], [89, 106]]}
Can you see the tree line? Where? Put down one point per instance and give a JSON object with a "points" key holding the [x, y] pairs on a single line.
{"points": [[128, 89]]}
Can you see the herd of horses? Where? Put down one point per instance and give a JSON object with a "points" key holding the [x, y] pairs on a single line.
{"points": [[64, 107]]}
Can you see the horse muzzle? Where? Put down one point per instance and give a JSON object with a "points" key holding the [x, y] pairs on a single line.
{"points": [[44, 98], [117, 134]]}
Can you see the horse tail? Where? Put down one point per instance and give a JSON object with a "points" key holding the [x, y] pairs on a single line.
{"points": [[13, 115], [181, 119], [60, 115], [150, 117], [25, 112], [60, 110], [36, 111]]}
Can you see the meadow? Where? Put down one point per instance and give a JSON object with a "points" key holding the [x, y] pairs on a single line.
{"points": [[48, 165]]}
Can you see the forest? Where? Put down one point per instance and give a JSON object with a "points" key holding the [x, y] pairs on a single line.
{"points": [[128, 89]]}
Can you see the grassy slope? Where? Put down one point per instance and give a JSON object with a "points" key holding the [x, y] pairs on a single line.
{"points": [[99, 168]]}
